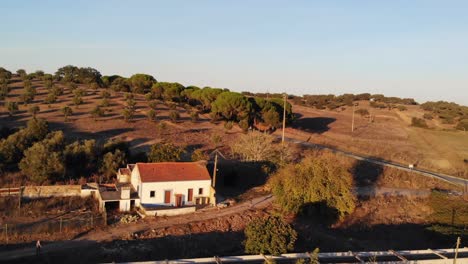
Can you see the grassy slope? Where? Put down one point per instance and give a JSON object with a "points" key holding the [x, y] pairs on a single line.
{"points": [[390, 136]]}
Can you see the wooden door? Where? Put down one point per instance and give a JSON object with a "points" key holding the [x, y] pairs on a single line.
{"points": [[190, 195], [167, 197], [178, 200]]}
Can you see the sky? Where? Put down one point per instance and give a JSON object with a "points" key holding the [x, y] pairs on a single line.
{"points": [[416, 49]]}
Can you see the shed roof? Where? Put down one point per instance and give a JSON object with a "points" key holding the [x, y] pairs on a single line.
{"points": [[173, 171]]}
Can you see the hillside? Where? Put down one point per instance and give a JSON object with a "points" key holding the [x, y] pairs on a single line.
{"points": [[390, 135]]}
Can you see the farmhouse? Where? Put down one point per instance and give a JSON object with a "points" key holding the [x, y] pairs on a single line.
{"points": [[163, 188]]}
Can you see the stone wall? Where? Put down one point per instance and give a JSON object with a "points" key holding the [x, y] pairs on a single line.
{"points": [[53, 191]]}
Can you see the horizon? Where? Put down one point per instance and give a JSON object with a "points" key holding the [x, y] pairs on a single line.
{"points": [[409, 50]]}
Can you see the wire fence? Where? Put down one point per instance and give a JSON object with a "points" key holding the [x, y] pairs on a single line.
{"points": [[57, 228]]}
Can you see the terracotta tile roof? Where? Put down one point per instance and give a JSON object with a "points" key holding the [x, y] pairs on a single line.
{"points": [[173, 171]]}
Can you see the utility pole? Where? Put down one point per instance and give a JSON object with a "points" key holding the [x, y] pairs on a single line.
{"points": [[352, 122], [284, 117], [215, 169], [456, 251]]}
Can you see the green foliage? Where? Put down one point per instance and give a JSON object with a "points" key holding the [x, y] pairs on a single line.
{"points": [[12, 107], [151, 115], [51, 98], [270, 235], [67, 111], [128, 113], [418, 122], [111, 161], [33, 110], [205, 96], [231, 106], [105, 94], [97, 112], [194, 116], [228, 125], [11, 148], [244, 124], [164, 152], [316, 184], [80, 158], [74, 74], [271, 118], [450, 113], [5, 74], [153, 105], [120, 84], [198, 154], [107, 81], [44, 161], [21, 73], [104, 102], [141, 83], [174, 115]]}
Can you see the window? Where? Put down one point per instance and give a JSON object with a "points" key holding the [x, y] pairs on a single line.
{"points": [[152, 194], [200, 191]]}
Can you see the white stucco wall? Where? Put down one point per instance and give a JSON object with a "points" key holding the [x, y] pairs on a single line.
{"points": [[171, 212], [177, 187], [124, 205], [135, 180]]}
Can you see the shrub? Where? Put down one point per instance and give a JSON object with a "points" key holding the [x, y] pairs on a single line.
{"points": [[362, 112], [174, 116], [151, 115], [228, 125], [418, 122], [164, 152], [402, 108], [198, 154], [428, 116], [194, 116], [270, 235], [319, 184]]}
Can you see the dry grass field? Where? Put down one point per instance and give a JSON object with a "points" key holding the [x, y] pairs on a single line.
{"points": [[390, 136]]}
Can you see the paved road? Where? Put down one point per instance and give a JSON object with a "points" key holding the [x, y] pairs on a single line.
{"points": [[435, 175]]}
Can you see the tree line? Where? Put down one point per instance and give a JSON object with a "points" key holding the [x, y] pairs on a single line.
{"points": [[221, 104], [45, 156]]}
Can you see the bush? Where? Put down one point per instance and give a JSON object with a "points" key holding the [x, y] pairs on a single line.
{"points": [[269, 235], [151, 115], [428, 116], [198, 154], [362, 112], [319, 184], [164, 152], [174, 116], [402, 108], [194, 116], [462, 125], [228, 125], [418, 122]]}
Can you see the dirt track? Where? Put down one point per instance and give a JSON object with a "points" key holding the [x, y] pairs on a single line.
{"points": [[122, 231]]}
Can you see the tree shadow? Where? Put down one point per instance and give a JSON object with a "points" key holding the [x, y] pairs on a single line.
{"points": [[234, 178], [313, 124], [366, 175]]}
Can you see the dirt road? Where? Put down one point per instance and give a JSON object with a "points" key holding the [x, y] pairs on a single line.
{"points": [[120, 231]]}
